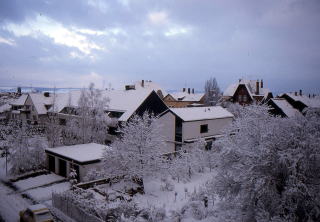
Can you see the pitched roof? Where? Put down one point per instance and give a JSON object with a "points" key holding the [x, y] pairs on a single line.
{"points": [[80, 152], [40, 101], [201, 113], [251, 88], [126, 101], [313, 102], [286, 108], [148, 84], [185, 96], [20, 101]]}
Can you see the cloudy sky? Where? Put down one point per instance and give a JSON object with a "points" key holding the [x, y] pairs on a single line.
{"points": [[176, 43]]}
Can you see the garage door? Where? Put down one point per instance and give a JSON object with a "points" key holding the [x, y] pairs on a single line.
{"points": [[62, 168]]}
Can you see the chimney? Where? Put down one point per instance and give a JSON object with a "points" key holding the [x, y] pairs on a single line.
{"points": [[309, 95], [300, 92], [192, 90], [239, 80], [183, 89], [257, 87], [261, 83], [295, 93], [188, 90], [142, 83]]}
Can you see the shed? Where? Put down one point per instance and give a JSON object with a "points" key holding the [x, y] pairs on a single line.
{"points": [[81, 157]]}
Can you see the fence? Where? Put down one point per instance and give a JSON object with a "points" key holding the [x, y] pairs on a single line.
{"points": [[65, 204]]}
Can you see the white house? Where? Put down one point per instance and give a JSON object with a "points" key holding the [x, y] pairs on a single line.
{"points": [[81, 157], [187, 125]]}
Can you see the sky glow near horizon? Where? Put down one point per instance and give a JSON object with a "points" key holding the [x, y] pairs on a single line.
{"points": [[177, 43]]}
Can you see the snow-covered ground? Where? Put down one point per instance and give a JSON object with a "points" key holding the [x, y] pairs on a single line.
{"points": [[42, 194], [154, 196], [37, 181]]}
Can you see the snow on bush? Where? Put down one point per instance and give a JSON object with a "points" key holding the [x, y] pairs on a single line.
{"points": [[268, 168]]}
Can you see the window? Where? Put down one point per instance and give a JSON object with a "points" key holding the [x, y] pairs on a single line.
{"points": [[245, 98], [204, 128], [62, 122]]}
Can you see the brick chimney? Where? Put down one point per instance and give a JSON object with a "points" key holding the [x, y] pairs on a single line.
{"points": [[257, 87], [183, 89], [192, 90], [188, 90], [295, 93], [300, 92], [261, 83], [142, 83]]}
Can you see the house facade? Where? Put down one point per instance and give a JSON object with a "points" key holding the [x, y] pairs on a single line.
{"points": [[247, 92], [187, 125]]}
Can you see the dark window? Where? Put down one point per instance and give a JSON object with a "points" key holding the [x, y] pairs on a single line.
{"points": [[204, 128], [62, 122]]}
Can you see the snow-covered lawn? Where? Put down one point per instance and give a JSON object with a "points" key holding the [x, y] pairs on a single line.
{"points": [[154, 196], [37, 181], [45, 193]]}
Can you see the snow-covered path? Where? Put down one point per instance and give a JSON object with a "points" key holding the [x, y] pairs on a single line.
{"points": [[11, 204]]}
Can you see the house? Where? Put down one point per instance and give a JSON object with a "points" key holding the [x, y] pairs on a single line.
{"points": [[32, 107], [123, 104], [184, 99], [300, 101], [189, 124], [247, 92], [81, 157]]}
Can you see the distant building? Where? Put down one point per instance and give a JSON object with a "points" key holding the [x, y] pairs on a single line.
{"points": [[187, 125], [281, 107], [247, 92], [184, 99], [32, 107]]}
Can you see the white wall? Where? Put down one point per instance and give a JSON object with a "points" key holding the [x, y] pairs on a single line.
{"points": [[191, 130], [167, 122]]}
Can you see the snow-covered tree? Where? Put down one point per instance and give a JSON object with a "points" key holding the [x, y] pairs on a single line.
{"points": [[90, 124], [212, 92], [138, 152], [268, 168], [25, 146]]}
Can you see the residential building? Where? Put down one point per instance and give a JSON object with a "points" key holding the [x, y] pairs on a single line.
{"points": [[292, 104], [32, 107], [186, 98], [123, 104], [247, 92], [189, 124]]}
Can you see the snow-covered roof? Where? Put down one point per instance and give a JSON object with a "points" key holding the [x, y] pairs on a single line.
{"points": [[148, 84], [201, 113], [185, 96], [81, 152], [39, 101], [286, 108], [251, 88], [126, 101], [20, 101], [312, 102]]}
